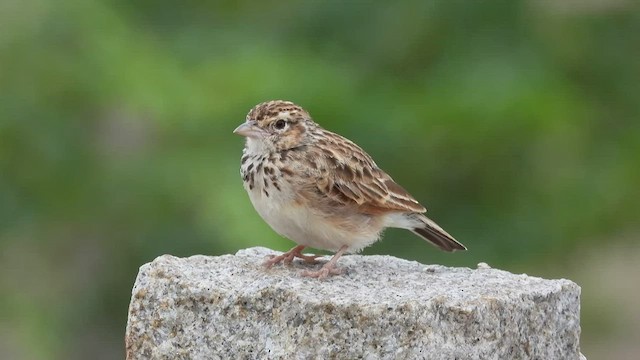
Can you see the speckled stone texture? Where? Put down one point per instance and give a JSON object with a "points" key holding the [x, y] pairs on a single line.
{"points": [[382, 308]]}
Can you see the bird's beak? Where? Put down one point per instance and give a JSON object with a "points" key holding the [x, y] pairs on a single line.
{"points": [[249, 129]]}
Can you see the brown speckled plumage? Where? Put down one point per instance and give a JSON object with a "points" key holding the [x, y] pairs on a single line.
{"points": [[320, 189]]}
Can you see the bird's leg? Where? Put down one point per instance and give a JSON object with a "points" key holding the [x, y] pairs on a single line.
{"points": [[329, 268], [288, 257]]}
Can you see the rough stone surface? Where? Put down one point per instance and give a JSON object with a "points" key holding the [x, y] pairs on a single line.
{"points": [[381, 308]]}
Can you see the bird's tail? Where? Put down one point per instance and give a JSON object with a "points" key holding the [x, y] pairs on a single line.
{"points": [[433, 233]]}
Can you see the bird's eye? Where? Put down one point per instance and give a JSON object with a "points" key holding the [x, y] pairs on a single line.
{"points": [[280, 124]]}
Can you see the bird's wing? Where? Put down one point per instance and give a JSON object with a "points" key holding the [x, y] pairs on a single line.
{"points": [[348, 175]]}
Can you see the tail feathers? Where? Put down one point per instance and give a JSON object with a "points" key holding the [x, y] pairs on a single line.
{"points": [[437, 236]]}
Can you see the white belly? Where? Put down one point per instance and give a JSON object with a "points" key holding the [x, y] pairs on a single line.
{"points": [[303, 225]]}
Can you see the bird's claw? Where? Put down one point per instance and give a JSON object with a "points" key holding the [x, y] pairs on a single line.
{"points": [[288, 257], [309, 259]]}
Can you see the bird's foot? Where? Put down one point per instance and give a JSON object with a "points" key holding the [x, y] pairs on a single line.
{"points": [[273, 259], [309, 259], [290, 255], [329, 268]]}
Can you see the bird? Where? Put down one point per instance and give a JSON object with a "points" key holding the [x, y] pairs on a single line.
{"points": [[321, 190]]}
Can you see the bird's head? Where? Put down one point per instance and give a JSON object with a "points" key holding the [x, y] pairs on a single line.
{"points": [[275, 125]]}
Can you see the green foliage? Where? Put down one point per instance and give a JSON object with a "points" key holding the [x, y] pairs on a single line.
{"points": [[516, 122]]}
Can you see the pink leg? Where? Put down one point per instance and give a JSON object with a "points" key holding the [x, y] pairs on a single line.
{"points": [[328, 268], [288, 257]]}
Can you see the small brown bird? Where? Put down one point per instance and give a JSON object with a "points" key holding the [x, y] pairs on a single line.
{"points": [[321, 190]]}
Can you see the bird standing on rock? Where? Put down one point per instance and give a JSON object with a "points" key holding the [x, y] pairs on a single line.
{"points": [[321, 190]]}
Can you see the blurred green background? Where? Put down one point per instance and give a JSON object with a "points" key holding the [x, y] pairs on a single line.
{"points": [[516, 122]]}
